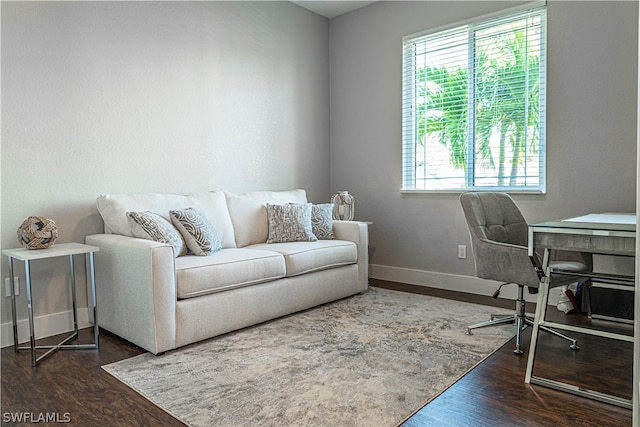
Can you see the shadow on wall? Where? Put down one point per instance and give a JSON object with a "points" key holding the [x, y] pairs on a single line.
{"points": [[91, 224]]}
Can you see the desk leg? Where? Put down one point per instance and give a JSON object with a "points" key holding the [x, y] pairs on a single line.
{"points": [[541, 312], [14, 316]]}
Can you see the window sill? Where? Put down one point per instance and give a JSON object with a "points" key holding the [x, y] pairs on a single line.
{"points": [[460, 191]]}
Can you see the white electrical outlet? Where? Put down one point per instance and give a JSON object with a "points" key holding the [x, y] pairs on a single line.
{"points": [[462, 251], [7, 285]]}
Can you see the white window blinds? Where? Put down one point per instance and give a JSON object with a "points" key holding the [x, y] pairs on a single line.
{"points": [[474, 106]]}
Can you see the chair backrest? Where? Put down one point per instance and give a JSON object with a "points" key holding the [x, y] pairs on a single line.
{"points": [[499, 236], [499, 239], [494, 216]]}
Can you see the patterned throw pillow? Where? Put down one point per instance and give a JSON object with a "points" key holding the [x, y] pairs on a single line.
{"points": [[201, 237], [290, 223], [151, 226], [322, 221]]}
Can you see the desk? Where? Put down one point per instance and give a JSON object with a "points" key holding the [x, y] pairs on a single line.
{"points": [[607, 234], [58, 250]]}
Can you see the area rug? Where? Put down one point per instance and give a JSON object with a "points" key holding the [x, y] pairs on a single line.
{"points": [[368, 360]]}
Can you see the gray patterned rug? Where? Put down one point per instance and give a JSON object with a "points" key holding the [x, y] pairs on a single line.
{"points": [[368, 360]]}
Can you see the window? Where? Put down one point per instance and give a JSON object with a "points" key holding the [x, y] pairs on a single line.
{"points": [[473, 112]]}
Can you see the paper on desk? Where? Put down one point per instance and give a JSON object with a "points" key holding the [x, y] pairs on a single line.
{"points": [[607, 217]]}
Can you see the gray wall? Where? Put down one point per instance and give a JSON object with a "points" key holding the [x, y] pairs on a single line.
{"points": [[124, 97], [591, 128], [180, 97]]}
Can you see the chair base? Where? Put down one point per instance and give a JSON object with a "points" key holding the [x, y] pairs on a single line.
{"points": [[521, 321]]}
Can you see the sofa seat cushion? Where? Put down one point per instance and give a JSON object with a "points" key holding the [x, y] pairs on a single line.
{"points": [[226, 269], [305, 257]]}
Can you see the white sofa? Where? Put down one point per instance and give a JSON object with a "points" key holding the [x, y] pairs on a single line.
{"points": [[147, 295]]}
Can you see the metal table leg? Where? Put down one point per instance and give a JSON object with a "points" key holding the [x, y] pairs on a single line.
{"points": [[14, 318]]}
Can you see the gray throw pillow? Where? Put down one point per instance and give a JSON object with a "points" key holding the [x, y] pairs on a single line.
{"points": [[290, 223], [151, 226], [201, 237], [322, 221]]}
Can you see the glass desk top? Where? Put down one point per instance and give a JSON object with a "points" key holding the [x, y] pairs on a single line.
{"points": [[595, 221]]}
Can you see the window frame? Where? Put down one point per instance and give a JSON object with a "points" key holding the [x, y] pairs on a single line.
{"points": [[408, 166]]}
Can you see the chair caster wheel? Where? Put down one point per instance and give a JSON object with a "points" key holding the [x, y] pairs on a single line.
{"points": [[574, 347], [468, 332]]}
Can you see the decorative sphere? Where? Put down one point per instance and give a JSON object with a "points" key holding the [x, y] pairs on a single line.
{"points": [[37, 232]]}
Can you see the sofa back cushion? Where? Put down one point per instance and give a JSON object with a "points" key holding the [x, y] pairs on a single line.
{"points": [[249, 213], [114, 207]]}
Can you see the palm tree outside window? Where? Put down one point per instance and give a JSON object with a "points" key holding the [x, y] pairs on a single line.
{"points": [[474, 106]]}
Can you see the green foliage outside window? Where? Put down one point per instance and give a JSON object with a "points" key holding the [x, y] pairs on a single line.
{"points": [[479, 94]]}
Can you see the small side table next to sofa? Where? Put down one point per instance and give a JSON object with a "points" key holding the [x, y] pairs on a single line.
{"points": [[57, 250]]}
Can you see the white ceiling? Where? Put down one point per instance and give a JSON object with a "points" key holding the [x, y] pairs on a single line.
{"points": [[332, 8]]}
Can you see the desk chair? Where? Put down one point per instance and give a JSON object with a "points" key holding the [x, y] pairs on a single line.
{"points": [[499, 240]]}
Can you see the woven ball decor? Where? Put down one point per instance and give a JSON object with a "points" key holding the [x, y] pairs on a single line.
{"points": [[37, 232]]}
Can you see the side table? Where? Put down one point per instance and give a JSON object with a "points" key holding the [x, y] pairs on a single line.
{"points": [[58, 250]]}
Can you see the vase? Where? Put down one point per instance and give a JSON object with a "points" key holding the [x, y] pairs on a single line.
{"points": [[343, 206]]}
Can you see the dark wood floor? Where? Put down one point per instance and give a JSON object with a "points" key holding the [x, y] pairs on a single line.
{"points": [[495, 394], [72, 386]]}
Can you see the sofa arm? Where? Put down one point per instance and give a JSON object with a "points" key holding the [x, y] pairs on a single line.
{"points": [[358, 233], [136, 290]]}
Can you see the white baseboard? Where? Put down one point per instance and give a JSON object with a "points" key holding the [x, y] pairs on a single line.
{"points": [[452, 282], [44, 326]]}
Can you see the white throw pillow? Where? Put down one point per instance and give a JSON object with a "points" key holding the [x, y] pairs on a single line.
{"points": [[248, 213], [114, 208], [290, 223], [213, 204], [151, 226], [201, 237]]}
